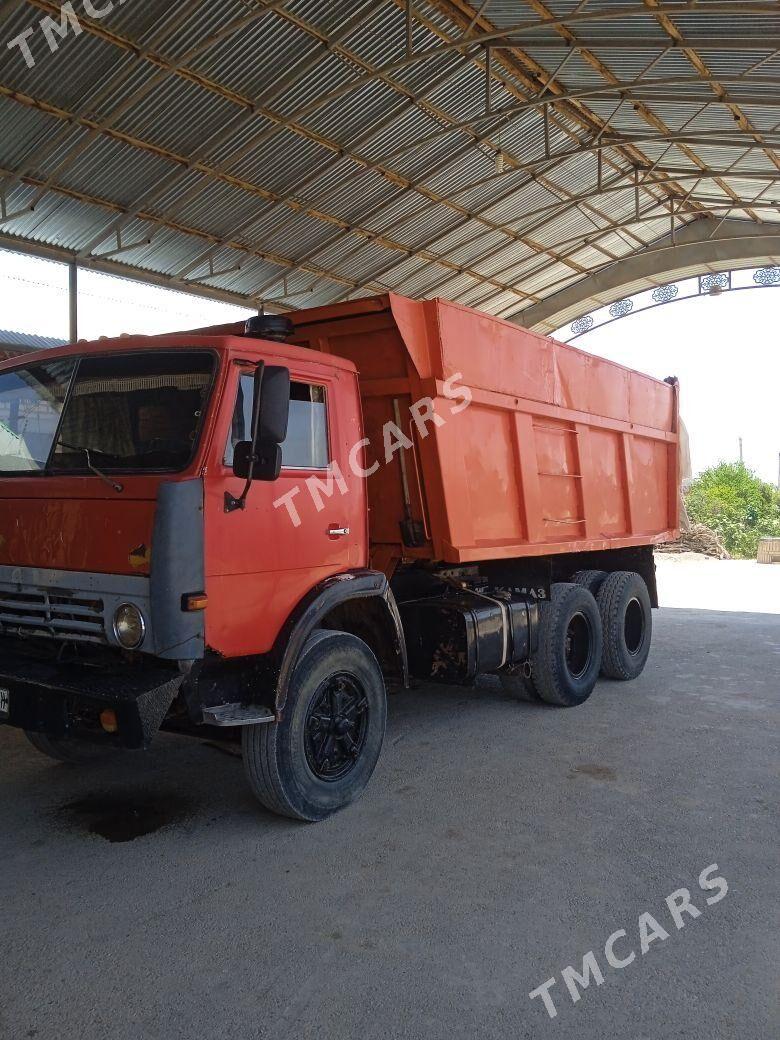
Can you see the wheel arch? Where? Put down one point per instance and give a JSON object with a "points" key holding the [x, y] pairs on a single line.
{"points": [[360, 602]]}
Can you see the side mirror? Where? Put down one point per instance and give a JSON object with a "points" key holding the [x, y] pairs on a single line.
{"points": [[261, 457], [267, 461], [272, 394]]}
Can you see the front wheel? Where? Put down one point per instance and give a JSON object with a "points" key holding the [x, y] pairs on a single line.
{"points": [[322, 754], [67, 749], [566, 663]]}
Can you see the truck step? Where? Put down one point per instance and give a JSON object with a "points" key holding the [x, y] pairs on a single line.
{"points": [[237, 715]]}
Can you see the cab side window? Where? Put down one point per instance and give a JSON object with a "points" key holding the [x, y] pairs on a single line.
{"points": [[306, 446]]}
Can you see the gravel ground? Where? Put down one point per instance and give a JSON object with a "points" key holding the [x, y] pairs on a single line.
{"points": [[691, 580], [498, 843]]}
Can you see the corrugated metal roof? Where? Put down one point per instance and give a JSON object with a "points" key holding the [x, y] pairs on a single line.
{"points": [[25, 341], [298, 151]]}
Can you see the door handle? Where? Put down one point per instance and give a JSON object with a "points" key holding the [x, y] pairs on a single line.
{"points": [[338, 532]]}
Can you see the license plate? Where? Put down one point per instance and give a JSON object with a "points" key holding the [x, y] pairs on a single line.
{"points": [[5, 703]]}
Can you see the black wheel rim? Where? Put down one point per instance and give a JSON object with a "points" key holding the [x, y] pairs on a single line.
{"points": [[336, 727], [634, 627], [578, 645]]}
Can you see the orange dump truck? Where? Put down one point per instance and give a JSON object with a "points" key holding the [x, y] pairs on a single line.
{"points": [[558, 451], [245, 531]]}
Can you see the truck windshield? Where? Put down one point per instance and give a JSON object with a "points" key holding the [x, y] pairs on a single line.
{"points": [[138, 412]]}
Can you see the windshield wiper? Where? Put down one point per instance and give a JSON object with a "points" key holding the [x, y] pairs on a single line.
{"points": [[119, 488]]}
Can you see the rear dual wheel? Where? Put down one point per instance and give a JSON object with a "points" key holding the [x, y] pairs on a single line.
{"points": [[565, 666], [591, 580], [627, 621], [580, 636]]}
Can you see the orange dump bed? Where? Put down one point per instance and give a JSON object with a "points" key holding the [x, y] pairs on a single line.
{"points": [[558, 451]]}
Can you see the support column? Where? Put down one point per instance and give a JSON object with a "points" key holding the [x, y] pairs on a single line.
{"points": [[73, 302]]}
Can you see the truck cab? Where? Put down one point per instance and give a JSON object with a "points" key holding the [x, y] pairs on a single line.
{"points": [[112, 449], [127, 572]]}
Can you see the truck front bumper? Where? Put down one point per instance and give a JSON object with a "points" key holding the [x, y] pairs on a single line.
{"points": [[67, 700]]}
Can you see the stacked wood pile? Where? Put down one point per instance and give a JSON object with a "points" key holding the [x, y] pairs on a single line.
{"points": [[698, 539]]}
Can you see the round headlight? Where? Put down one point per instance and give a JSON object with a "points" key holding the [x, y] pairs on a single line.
{"points": [[129, 626]]}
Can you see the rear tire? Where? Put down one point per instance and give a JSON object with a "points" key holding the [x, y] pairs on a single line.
{"points": [[590, 580], [322, 754], [627, 622], [67, 749], [566, 664]]}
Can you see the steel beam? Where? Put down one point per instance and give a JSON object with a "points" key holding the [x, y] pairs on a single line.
{"points": [[73, 302], [634, 87], [736, 242], [647, 113], [613, 13], [751, 44], [204, 151], [364, 237], [249, 104], [66, 256], [365, 234], [197, 233], [521, 68]]}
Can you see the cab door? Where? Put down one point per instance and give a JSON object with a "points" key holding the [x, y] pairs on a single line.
{"points": [[308, 525]]}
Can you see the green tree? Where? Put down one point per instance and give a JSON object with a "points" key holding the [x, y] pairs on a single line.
{"points": [[737, 504]]}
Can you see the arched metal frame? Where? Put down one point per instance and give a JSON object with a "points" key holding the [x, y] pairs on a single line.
{"points": [[383, 149], [709, 284]]}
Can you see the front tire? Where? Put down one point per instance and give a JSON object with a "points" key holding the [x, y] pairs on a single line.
{"points": [[67, 749], [322, 754], [566, 664], [627, 621]]}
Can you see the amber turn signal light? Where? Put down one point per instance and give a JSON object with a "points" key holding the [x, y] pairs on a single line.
{"points": [[108, 721], [195, 601]]}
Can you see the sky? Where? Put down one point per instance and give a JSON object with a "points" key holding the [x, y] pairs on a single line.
{"points": [[723, 349]]}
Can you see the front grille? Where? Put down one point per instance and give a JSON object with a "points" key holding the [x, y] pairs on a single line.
{"points": [[53, 613]]}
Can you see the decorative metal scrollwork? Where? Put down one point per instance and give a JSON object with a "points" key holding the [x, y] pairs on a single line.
{"points": [[581, 325], [665, 293], [709, 284], [715, 283], [767, 276], [621, 308]]}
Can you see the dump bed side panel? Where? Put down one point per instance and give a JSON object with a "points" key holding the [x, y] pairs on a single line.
{"points": [[558, 451], [387, 376]]}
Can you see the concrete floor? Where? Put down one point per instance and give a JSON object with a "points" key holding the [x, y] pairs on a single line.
{"points": [[498, 843]]}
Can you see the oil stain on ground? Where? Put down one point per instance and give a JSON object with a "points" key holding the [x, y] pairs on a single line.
{"points": [[123, 817]]}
